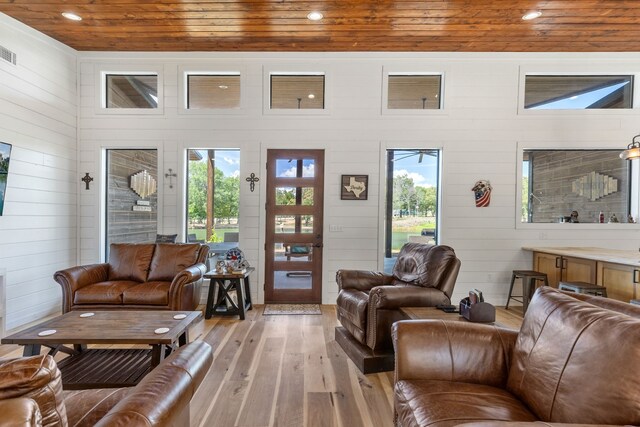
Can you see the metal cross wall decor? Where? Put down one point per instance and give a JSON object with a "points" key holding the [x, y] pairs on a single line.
{"points": [[87, 179], [170, 175], [252, 179]]}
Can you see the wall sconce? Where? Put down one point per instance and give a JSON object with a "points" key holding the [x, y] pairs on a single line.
{"points": [[633, 150]]}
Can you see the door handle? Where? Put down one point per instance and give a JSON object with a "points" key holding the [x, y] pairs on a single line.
{"points": [[635, 276], [558, 265]]}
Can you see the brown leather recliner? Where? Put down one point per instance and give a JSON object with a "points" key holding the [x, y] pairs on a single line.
{"points": [[161, 276], [369, 303], [571, 362], [31, 393]]}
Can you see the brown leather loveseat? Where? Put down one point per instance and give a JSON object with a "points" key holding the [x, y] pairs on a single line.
{"points": [[161, 276], [369, 303], [31, 394], [572, 361]]}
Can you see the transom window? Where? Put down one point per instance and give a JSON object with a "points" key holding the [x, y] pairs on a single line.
{"points": [[297, 92], [414, 92], [213, 91], [131, 91], [578, 92]]}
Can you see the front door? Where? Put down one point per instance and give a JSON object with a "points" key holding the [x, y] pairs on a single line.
{"points": [[295, 194]]}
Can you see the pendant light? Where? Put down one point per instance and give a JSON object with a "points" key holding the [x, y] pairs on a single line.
{"points": [[633, 150]]}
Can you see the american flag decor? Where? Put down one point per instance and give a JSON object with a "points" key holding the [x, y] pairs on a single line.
{"points": [[482, 192]]}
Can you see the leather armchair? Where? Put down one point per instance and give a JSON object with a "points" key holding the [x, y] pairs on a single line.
{"points": [[138, 276], [31, 394], [568, 364], [369, 302]]}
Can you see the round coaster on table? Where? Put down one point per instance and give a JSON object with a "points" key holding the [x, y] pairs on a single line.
{"points": [[161, 331], [47, 332], [87, 314], [180, 316]]}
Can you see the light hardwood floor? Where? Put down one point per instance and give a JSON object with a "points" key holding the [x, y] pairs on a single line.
{"points": [[286, 370]]}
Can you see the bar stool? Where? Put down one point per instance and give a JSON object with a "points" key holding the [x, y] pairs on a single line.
{"points": [[528, 277], [583, 288]]}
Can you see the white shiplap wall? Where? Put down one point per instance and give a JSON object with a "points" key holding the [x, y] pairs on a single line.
{"points": [[38, 115], [478, 131]]}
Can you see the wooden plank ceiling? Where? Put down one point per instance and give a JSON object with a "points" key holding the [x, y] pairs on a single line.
{"points": [[348, 25]]}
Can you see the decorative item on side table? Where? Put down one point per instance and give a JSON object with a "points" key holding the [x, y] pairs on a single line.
{"points": [[354, 187], [474, 309], [235, 261]]}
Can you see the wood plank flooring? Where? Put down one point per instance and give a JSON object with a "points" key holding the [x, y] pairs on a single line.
{"points": [[285, 370]]}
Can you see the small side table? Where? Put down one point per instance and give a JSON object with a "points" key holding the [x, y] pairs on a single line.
{"points": [[222, 303]]}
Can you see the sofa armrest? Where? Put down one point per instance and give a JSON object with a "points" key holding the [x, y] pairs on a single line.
{"points": [[361, 280], [394, 297], [20, 412], [188, 275], [452, 351], [530, 424], [75, 278], [163, 396]]}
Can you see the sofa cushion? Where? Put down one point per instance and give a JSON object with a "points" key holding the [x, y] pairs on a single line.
{"points": [[149, 293], [86, 407], [423, 265], [130, 261], [571, 362], [351, 307], [38, 378], [103, 292], [449, 403], [170, 259]]}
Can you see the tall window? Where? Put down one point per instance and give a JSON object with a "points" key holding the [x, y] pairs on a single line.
{"points": [[578, 92], [131, 91], [411, 200], [132, 197], [213, 195]]}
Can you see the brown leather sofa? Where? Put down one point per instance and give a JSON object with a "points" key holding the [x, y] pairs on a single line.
{"points": [[31, 394], [160, 276], [572, 362], [369, 303]]}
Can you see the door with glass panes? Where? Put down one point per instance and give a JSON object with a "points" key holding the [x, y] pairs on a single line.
{"points": [[293, 249]]}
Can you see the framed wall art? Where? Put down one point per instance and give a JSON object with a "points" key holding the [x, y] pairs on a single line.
{"points": [[354, 187]]}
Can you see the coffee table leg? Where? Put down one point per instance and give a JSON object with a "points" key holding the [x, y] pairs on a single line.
{"points": [[80, 347], [31, 350], [184, 338], [157, 354]]}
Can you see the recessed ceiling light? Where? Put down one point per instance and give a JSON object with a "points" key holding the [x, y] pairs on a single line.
{"points": [[532, 15], [72, 16], [311, 96], [315, 16], [223, 87]]}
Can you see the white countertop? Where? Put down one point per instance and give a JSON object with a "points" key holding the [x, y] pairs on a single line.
{"points": [[616, 256]]}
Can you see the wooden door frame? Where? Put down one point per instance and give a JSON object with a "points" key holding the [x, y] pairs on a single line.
{"points": [[314, 295]]}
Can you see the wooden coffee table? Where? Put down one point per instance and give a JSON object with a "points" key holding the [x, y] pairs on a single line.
{"points": [[107, 367], [504, 318]]}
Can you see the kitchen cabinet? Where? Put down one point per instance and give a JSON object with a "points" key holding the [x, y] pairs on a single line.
{"points": [[621, 281], [564, 268]]}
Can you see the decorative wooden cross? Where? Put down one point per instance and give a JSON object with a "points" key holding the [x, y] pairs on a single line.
{"points": [[252, 179], [87, 179]]}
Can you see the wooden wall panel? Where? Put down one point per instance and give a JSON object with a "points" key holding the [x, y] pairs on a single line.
{"points": [[38, 113]]}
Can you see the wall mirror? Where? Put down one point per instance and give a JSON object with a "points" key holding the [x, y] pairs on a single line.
{"points": [[556, 183]]}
